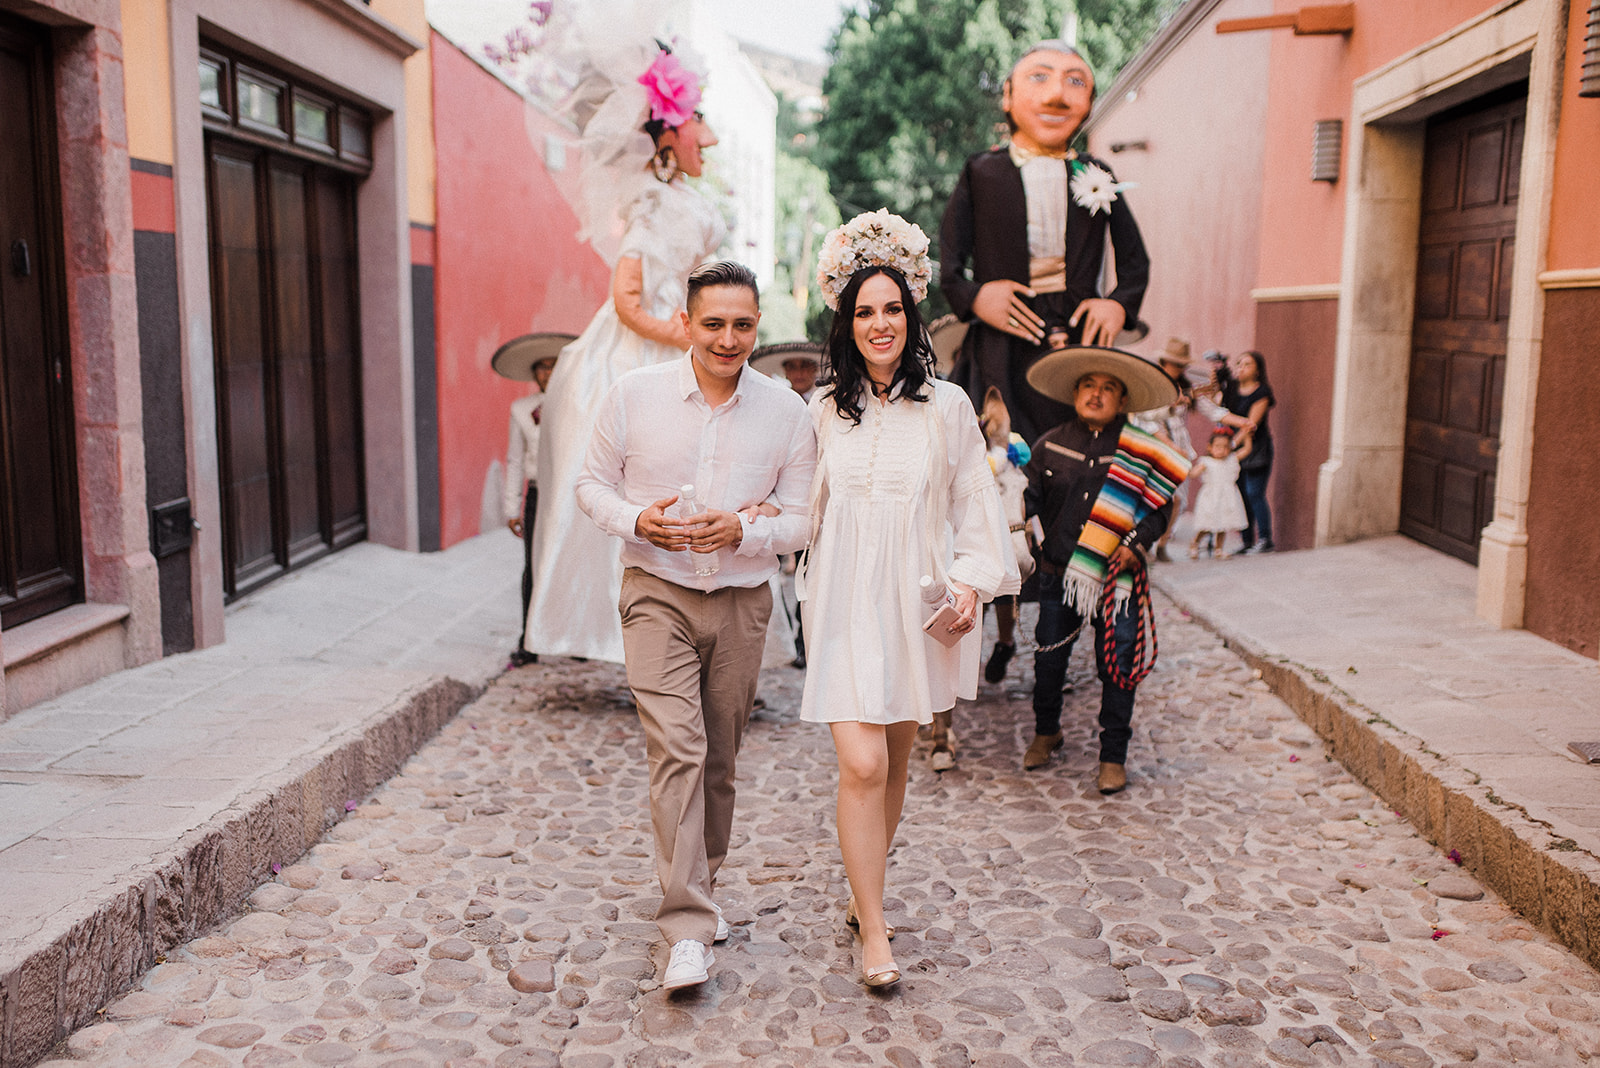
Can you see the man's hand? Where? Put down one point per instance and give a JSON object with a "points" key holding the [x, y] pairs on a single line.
{"points": [[1000, 305], [1125, 560], [1102, 320], [654, 526], [712, 530], [515, 525]]}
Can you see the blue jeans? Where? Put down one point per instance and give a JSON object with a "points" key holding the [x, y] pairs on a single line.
{"points": [[1253, 488], [1056, 621]]}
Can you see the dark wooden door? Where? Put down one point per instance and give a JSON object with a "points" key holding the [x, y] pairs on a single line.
{"points": [[1471, 165], [283, 248], [40, 555]]}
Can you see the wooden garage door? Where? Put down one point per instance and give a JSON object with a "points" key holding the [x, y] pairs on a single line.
{"points": [[1458, 341]]}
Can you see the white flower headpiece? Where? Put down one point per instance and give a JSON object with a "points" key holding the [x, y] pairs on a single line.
{"points": [[873, 239]]}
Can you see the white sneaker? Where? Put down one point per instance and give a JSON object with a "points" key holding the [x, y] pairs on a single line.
{"points": [[723, 930], [688, 966]]}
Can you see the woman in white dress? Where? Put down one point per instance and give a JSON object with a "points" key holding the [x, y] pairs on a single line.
{"points": [[668, 229], [903, 490]]}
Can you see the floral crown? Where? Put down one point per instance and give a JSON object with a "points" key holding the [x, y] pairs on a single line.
{"points": [[873, 239]]}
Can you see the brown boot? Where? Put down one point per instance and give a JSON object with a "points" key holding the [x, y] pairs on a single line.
{"points": [[1113, 778], [1039, 750]]}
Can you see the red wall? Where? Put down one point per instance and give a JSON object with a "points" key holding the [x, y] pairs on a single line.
{"points": [[507, 262]]}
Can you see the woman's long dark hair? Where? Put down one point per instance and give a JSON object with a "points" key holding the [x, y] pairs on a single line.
{"points": [[846, 369], [1261, 376]]}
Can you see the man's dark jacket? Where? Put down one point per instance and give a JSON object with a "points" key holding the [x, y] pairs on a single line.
{"points": [[984, 236]]}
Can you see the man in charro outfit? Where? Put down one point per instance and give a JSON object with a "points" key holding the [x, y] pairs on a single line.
{"points": [[1023, 240]]}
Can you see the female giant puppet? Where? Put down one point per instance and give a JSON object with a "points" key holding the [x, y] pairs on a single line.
{"points": [[1022, 244], [637, 105]]}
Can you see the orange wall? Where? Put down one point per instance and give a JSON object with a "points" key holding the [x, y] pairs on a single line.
{"points": [[147, 80], [508, 262], [1197, 199], [1313, 78], [1574, 216]]}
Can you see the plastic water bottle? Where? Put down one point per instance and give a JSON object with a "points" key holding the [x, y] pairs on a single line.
{"points": [[704, 563], [934, 595]]}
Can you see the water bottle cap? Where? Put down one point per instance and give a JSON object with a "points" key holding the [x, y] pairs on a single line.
{"points": [[686, 491], [927, 580]]}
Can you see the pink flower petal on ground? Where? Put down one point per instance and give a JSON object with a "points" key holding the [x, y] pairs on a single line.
{"points": [[1438, 934], [1294, 758], [350, 806]]}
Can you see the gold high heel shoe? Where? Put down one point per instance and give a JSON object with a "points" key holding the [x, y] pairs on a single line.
{"points": [[883, 975], [853, 920]]}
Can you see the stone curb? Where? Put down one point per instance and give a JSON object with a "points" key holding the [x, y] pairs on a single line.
{"points": [[58, 979], [1543, 876]]}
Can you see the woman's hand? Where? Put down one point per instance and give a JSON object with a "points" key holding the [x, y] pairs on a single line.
{"points": [[766, 508], [967, 605], [515, 526]]}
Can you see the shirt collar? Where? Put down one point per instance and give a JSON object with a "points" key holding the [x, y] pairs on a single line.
{"points": [[1021, 155], [689, 386]]}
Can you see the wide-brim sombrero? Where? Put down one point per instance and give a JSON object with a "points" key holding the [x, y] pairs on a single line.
{"points": [[769, 359], [1056, 375], [515, 359], [946, 334]]}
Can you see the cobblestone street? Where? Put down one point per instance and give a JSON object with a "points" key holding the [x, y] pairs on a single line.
{"points": [[1245, 902]]}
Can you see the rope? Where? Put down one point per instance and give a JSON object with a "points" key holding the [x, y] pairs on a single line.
{"points": [[1147, 628]]}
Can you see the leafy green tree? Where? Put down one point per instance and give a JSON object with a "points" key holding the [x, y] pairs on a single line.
{"points": [[792, 307], [914, 88]]}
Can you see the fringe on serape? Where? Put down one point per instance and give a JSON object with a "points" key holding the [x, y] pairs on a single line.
{"points": [[1145, 473]]}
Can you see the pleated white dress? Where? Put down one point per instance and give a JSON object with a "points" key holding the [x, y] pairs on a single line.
{"points": [[877, 534], [577, 570]]}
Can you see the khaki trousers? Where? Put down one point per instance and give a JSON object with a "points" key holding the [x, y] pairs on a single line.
{"points": [[692, 661]]}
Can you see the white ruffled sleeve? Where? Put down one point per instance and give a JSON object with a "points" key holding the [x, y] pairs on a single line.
{"points": [[984, 558]]}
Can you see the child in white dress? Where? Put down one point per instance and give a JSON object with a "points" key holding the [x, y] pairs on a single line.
{"points": [[1219, 507]]}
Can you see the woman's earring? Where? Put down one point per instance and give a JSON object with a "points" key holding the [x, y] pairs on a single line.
{"points": [[664, 165]]}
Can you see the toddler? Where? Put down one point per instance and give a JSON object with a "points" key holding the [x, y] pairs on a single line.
{"points": [[1219, 507]]}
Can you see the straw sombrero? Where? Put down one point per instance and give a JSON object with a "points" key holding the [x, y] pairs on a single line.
{"points": [[515, 359], [1056, 375], [946, 334], [769, 359]]}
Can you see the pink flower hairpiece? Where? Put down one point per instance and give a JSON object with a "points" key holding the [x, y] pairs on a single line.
{"points": [[673, 89]]}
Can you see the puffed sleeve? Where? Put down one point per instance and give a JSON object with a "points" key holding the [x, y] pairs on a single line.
{"points": [[984, 558]]}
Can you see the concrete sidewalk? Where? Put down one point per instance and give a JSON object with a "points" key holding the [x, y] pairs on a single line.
{"points": [[143, 808], [1462, 727]]}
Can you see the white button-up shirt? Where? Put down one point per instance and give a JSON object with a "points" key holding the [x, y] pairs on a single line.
{"points": [[656, 433]]}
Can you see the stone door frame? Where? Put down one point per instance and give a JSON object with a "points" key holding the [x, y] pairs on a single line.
{"points": [[1358, 487]]}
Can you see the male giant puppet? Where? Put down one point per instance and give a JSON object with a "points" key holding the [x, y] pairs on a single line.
{"points": [[1023, 240]]}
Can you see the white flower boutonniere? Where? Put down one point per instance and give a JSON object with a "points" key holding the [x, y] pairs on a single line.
{"points": [[1094, 188]]}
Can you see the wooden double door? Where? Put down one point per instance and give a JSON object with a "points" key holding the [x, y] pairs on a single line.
{"points": [[1472, 160], [288, 369], [41, 555]]}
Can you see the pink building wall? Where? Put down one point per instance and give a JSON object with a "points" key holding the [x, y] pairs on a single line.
{"points": [[1197, 180], [507, 260], [1312, 78]]}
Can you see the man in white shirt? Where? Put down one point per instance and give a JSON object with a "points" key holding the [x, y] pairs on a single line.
{"points": [[692, 641]]}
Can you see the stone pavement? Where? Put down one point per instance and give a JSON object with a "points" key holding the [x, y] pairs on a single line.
{"points": [[143, 808], [1245, 902], [1461, 726]]}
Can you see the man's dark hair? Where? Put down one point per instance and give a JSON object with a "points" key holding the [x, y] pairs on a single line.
{"points": [[721, 273]]}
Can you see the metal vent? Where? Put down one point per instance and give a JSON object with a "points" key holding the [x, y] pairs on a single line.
{"points": [[1325, 146], [1589, 76]]}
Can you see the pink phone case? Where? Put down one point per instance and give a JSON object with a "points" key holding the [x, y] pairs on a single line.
{"points": [[938, 625]]}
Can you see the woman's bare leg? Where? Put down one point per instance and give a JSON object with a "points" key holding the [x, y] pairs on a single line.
{"points": [[872, 786]]}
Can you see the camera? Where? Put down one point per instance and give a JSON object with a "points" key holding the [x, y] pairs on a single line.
{"points": [[1219, 367]]}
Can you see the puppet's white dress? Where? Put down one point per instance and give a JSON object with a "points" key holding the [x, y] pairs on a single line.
{"points": [[577, 570], [878, 533]]}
